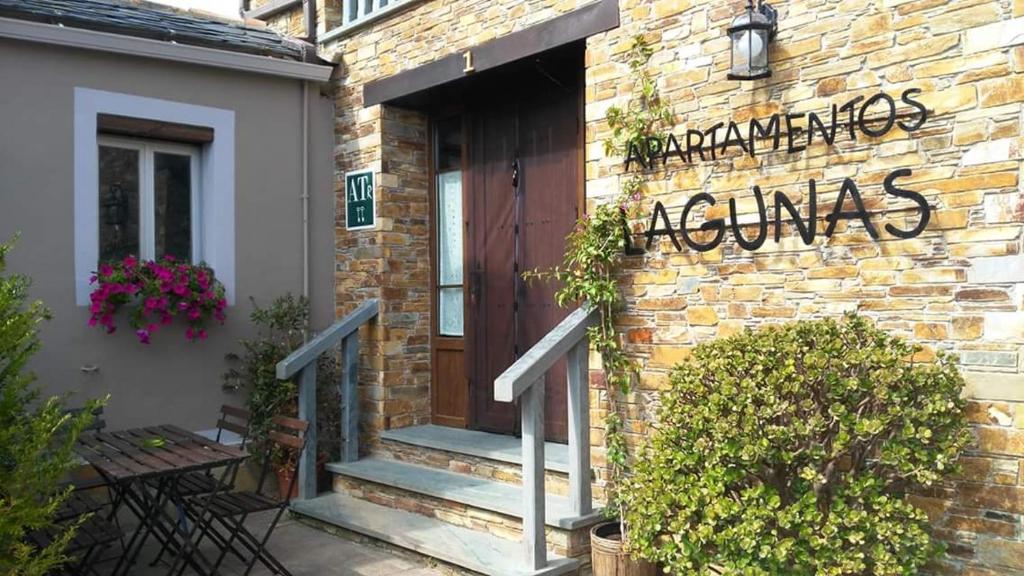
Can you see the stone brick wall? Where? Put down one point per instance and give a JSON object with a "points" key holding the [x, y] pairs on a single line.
{"points": [[956, 288], [289, 22]]}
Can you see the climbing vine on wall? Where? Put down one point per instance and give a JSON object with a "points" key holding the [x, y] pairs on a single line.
{"points": [[596, 247]]}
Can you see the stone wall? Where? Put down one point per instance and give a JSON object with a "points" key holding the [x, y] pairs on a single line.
{"points": [[957, 287]]}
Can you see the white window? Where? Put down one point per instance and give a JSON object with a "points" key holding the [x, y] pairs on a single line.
{"points": [[149, 200], [150, 197], [448, 166]]}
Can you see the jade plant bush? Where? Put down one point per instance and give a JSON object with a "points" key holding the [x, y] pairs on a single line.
{"points": [[788, 451], [159, 291]]}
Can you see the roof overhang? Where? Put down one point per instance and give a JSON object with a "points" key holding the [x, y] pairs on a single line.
{"points": [[146, 48], [594, 18]]}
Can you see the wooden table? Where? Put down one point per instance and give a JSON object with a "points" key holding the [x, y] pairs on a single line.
{"points": [[142, 466]]}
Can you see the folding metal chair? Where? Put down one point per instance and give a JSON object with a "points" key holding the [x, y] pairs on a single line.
{"points": [[97, 425], [94, 533], [232, 419], [230, 510]]}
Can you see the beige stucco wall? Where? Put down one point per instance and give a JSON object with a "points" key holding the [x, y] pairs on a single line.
{"points": [[171, 380]]}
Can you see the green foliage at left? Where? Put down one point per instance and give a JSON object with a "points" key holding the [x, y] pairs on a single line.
{"points": [[36, 437]]}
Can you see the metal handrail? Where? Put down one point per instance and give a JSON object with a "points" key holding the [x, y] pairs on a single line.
{"points": [[524, 380], [303, 362]]}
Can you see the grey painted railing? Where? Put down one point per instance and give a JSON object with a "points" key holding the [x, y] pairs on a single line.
{"points": [[525, 380], [303, 363]]}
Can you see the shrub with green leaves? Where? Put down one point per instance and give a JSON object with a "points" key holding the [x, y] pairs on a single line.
{"points": [[282, 329], [36, 438], [789, 450]]}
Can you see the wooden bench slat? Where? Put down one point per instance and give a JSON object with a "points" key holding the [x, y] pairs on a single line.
{"points": [[292, 423], [236, 428], [281, 438], [235, 411]]}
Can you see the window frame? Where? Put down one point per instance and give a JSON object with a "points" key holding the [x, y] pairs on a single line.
{"points": [[218, 174], [437, 218], [147, 150]]}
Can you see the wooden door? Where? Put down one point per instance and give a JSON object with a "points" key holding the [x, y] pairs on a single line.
{"points": [[550, 182], [491, 245], [525, 173]]}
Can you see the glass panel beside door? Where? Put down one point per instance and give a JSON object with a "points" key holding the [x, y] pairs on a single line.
{"points": [[449, 229], [449, 389]]}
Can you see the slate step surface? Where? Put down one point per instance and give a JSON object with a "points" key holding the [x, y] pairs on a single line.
{"points": [[472, 491], [463, 547], [499, 447]]}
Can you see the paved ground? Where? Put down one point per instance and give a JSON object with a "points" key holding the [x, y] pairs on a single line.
{"points": [[307, 551]]}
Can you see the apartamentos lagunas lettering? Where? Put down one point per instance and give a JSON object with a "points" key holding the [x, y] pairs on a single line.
{"points": [[873, 116]]}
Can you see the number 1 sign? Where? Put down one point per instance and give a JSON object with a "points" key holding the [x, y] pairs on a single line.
{"points": [[360, 206]]}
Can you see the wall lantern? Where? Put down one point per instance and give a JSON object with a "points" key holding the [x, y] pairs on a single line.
{"points": [[751, 33]]}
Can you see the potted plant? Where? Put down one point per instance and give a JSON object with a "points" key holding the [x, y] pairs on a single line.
{"points": [[790, 450], [281, 330], [159, 291]]}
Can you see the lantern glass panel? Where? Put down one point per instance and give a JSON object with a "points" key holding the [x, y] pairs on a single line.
{"points": [[750, 35], [758, 51]]}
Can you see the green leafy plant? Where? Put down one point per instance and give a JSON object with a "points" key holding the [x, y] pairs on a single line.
{"points": [[788, 451], [282, 328], [36, 439], [596, 247]]}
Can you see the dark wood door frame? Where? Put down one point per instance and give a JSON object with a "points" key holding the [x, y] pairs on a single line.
{"points": [[536, 114], [448, 386], [403, 88], [525, 83]]}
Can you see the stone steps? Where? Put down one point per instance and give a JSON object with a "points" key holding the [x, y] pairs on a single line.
{"points": [[451, 479], [480, 454], [496, 447], [474, 492], [470, 549]]}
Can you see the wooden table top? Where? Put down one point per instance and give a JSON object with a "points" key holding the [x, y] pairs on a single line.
{"points": [[153, 451]]}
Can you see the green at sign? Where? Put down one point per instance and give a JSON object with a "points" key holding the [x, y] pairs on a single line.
{"points": [[360, 208]]}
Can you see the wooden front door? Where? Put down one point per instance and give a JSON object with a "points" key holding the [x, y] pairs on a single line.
{"points": [[523, 193]]}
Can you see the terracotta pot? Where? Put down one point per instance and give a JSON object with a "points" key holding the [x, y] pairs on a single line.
{"points": [[284, 476], [609, 559]]}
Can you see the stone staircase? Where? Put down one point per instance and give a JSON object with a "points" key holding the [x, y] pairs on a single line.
{"points": [[454, 495]]}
